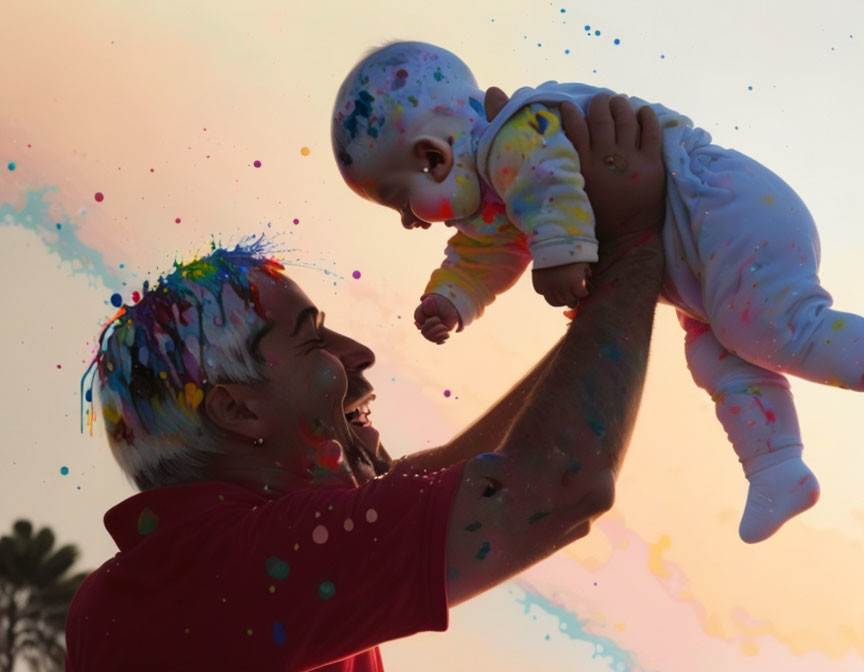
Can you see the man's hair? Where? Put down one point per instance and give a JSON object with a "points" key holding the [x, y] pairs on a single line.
{"points": [[386, 86], [199, 326]]}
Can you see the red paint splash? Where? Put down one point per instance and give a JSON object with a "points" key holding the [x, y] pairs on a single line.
{"points": [[99, 196], [136, 296], [491, 211], [446, 211], [735, 410], [770, 418], [177, 220]]}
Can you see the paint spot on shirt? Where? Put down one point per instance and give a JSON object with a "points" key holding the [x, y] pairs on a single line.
{"points": [[99, 196], [147, 522], [320, 535], [473, 527], [356, 275], [371, 515], [257, 164], [279, 634], [64, 470], [348, 525], [277, 568], [11, 165], [484, 551], [837, 325], [326, 590], [447, 393], [116, 300], [304, 151]]}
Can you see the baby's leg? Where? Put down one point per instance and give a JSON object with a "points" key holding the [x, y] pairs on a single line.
{"points": [[756, 409], [760, 283]]}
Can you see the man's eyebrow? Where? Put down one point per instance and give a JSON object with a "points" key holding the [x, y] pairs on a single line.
{"points": [[301, 317]]}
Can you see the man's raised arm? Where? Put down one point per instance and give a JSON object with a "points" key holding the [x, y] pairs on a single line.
{"points": [[554, 471]]}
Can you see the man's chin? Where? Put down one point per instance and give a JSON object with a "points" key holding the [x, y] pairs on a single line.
{"points": [[365, 438]]}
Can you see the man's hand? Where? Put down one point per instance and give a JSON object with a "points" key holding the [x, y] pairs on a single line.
{"points": [[562, 285], [619, 153], [436, 317]]}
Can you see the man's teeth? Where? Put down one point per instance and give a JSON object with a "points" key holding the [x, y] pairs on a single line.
{"points": [[360, 415]]}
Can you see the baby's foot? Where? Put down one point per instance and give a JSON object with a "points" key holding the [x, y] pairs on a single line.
{"points": [[777, 494]]}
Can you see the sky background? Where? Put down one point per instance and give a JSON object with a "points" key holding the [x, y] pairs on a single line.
{"points": [[164, 108]]}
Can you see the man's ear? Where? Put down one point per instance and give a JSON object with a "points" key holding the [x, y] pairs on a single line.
{"points": [[434, 154], [226, 405]]}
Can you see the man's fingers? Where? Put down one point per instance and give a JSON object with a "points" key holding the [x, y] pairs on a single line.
{"points": [[626, 128], [651, 139], [576, 129], [495, 100], [600, 123]]}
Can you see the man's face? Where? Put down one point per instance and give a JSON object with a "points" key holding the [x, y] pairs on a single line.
{"points": [[315, 378]]}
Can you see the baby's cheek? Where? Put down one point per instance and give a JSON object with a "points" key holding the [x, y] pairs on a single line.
{"points": [[458, 196]]}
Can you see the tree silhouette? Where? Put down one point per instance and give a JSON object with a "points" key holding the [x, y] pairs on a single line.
{"points": [[34, 598]]}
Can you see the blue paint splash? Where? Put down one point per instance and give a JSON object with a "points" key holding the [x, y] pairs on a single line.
{"points": [[60, 237], [571, 625]]}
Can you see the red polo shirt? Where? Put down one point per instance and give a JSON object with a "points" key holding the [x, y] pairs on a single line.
{"points": [[211, 576]]}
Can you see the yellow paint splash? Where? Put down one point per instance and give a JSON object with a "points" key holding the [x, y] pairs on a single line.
{"points": [[655, 557]]}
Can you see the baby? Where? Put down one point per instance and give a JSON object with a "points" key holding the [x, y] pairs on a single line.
{"points": [[742, 251]]}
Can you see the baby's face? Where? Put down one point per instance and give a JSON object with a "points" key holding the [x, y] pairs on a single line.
{"points": [[426, 175]]}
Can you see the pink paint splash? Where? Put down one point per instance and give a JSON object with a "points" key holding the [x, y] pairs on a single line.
{"points": [[356, 275], [770, 418], [257, 164], [99, 196]]}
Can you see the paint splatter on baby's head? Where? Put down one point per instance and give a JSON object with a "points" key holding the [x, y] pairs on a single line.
{"points": [[386, 89], [157, 358]]}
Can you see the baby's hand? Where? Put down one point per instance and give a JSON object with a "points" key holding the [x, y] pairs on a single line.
{"points": [[436, 317], [562, 285]]}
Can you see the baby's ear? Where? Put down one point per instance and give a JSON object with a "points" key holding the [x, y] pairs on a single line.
{"points": [[434, 156]]}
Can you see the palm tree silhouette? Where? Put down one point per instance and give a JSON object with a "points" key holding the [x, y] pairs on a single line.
{"points": [[34, 598]]}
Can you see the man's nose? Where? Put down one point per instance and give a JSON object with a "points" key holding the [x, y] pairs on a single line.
{"points": [[355, 356]]}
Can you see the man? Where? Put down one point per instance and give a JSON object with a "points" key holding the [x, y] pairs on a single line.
{"points": [[273, 532]]}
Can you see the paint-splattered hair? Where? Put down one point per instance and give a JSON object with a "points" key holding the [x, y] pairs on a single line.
{"points": [[389, 83], [200, 325]]}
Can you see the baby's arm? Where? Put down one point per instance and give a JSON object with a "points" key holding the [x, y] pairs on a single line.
{"points": [[476, 269], [535, 169]]}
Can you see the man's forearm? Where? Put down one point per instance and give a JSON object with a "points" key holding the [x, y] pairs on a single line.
{"points": [[585, 403]]}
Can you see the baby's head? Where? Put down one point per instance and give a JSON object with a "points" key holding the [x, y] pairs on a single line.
{"points": [[404, 132]]}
